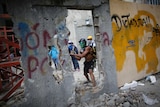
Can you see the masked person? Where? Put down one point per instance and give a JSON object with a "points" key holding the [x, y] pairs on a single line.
{"points": [[73, 49], [91, 42], [89, 62]]}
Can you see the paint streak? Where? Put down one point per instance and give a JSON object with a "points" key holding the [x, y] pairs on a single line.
{"points": [[35, 26], [105, 39], [26, 38], [32, 65]]}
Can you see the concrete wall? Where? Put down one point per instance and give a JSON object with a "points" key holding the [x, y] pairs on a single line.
{"points": [[125, 53], [40, 23], [35, 26], [136, 36]]}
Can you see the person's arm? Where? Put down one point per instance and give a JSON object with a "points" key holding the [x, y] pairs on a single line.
{"points": [[87, 49], [76, 50], [49, 53]]}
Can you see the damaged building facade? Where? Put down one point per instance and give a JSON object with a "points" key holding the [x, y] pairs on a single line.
{"points": [[127, 36]]}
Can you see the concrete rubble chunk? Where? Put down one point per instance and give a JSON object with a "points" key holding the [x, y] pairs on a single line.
{"points": [[126, 104], [149, 101], [151, 78]]}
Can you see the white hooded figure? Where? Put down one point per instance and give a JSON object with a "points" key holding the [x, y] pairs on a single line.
{"points": [[91, 42]]}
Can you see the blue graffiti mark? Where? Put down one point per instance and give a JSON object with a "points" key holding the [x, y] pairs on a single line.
{"points": [[61, 27], [24, 31]]}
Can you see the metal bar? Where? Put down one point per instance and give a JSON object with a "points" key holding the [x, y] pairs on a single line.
{"points": [[6, 96], [12, 82], [10, 43], [10, 63], [0, 83], [5, 16], [19, 75]]}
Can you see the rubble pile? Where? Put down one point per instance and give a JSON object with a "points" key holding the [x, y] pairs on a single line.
{"points": [[122, 99], [128, 98]]}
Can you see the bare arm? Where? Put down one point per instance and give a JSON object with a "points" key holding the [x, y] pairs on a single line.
{"points": [[87, 49]]}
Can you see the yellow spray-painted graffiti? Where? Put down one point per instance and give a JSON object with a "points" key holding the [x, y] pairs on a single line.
{"points": [[140, 34]]}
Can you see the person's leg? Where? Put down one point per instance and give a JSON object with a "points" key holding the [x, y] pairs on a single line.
{"points": [[86, 72], [74, 64], [87, 77], [92, 77], [55, 63], [77, 64]]}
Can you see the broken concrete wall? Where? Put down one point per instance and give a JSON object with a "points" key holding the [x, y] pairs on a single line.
{"points": [[136, 36], [106, 59], [39, 24], [34, 27]]}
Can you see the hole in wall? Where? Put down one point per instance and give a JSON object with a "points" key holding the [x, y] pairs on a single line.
{"points": [[81, 25], [58, 52]]}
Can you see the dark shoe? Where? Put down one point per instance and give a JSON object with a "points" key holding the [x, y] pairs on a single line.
{"points": [[86, 82]]}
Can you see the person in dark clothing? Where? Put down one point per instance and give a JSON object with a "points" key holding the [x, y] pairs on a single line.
{"points": [[89, 60], [73, 50]]}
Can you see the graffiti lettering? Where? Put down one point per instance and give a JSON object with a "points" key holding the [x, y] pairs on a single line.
{"points": [[32, 65], [117, 19], [32, 40], [128, 22], [125, 20], [156, 29], [105, 38]]}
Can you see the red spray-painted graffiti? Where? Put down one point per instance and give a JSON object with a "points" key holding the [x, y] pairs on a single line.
{"points": [[105, 39], [33, 60], [33, 63], [31, 41]]}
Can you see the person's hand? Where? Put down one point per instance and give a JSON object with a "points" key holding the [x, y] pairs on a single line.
{"points": [[72, 54], [50, 63]]}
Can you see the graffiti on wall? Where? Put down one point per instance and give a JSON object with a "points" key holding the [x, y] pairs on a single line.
{"points": [[141, 34], [32, 41], [105, 39]]}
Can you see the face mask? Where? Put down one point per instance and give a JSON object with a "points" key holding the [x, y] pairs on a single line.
{"points": [[89, 41], [81, 44]]}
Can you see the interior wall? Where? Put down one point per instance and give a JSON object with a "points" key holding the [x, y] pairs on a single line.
{"points": [[136, 40]]}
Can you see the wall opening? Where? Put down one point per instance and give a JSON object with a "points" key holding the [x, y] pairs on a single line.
{"points": [[81, 25]]}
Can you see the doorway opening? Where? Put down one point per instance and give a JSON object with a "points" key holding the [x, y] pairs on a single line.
{"points": [[81, 25]]}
